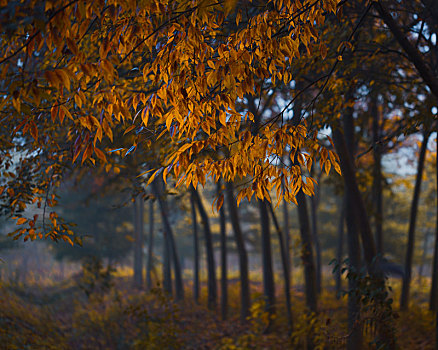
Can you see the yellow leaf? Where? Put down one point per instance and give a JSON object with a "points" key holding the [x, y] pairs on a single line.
{"points": [[130, 238], [152, 177], [54, 113], [220, 202], [104, 48], [337, 167], [129, 129], [166, 170], [169, 122], [78, 101], [238, 18], [63, 76], [145, 117], [222, 118], [327, 166], [107, 130], [87, 153], [52, 78], [72, 46], [33, 130], [323, 51], [21, 221], [67, 239], [66, 112], [100, 154], [145, 172]]}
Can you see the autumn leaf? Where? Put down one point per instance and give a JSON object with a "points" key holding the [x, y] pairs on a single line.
{"points": [[21, 221]]}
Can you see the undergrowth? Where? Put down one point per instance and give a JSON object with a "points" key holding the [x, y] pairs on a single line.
{"points": [[113, 315]]}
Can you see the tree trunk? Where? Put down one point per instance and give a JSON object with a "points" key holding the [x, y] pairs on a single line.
{"points": [[179, 288], [241, 250], [355, 340], [377, 176], [285, 265], [373, 264], [423, 257], [268, 279], [404, 301], [195, 250], [138, 240], [211, 266], [223, 239], [433, 302], [150, 260], [314, 201], [340, 249], [436, 329], [305, 230], [287, 243], [308, 262], [268, 273], [351, 187], [167, 268], [307, 253]]}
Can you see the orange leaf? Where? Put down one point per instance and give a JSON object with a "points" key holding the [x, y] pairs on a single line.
{"points": [[33, 130], [129, 129], [66, 112], [220, 202], [100, 154], [152, 177], [87, 153], [63, 76], [54, 113], [21, 221]]}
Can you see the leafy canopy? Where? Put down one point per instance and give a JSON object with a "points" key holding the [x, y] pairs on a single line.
{"points": [[74, 72]]}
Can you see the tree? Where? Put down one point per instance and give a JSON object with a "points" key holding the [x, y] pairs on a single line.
{"points": [[314, 202], [169, 244], [223, 240], [285, 262], [138, 240], [404, 301], [245, 301], [268, 273], [150, 255], [340, 249], [211, 266], [421, 61], [195, 249]]}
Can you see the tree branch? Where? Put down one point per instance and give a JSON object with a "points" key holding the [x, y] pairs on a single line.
{"points": [[414, 55]]}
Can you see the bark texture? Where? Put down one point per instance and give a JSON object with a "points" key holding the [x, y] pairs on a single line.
{"points": [[138, 240], [195, 250], [211, 266], [223, 240], [268, 273], [150, 257], [285, 266], [404, 300], [169, 238], [241, 251]]}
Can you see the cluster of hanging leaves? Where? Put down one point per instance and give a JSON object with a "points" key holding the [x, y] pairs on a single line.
{"points": [[73, 73]]}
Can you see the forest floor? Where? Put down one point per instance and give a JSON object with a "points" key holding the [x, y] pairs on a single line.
{"points": [[117, 316]]}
